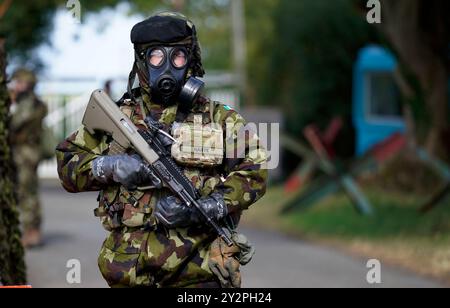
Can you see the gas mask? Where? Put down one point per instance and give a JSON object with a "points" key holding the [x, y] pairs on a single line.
{"points": [[167, 71]]}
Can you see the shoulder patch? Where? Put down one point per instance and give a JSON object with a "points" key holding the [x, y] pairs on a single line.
{"points": [[227, 107]]}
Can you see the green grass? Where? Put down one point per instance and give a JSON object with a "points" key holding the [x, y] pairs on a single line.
{"points": [[395, 216], [397, 233]]}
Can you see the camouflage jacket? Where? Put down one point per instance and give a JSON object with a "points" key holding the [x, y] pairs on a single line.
{"points": [[27, 127], [26, 120], [241, 180]]}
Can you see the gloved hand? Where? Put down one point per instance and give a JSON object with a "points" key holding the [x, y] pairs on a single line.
{"points": [[127, 170], [173, 213], [165, 138], [223, 263]]}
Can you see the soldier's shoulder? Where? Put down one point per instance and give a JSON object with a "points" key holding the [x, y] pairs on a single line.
{"points": [[222, 112], [127, 100], [39, 103], [226, 113], [30, 101]]}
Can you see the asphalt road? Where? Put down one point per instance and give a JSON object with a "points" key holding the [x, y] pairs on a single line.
{"points": [[72, 232]]}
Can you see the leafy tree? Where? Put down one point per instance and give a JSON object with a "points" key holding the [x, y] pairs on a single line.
{"points": [[12, 266], [25, 25], [314, 48], [262, 41]]}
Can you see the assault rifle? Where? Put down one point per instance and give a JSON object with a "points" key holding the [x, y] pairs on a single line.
{"points": [[103, 114]]}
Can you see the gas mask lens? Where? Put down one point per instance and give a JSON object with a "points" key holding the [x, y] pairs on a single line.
{"points": [[156, 57], [179, 58]]}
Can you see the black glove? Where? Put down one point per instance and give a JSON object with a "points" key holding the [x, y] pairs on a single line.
{"points": [[127, 170], [173, 213]]}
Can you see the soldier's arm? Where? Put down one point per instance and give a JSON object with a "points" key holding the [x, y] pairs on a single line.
{"points": [[75, 155], [246, 178]]}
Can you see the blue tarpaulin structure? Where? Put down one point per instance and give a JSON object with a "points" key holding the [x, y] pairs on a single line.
{"points": [[377, 110]]}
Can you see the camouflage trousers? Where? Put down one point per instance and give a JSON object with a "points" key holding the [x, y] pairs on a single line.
{"points": [[28, 188], [156, 258]]}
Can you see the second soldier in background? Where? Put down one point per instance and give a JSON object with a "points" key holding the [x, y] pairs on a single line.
{"points": [[27, 115]]}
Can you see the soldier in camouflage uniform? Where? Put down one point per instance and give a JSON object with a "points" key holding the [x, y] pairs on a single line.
{"points": [[26, 128], [155, 240]]}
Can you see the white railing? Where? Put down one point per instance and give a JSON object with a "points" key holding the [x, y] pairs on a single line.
{"points": [[65, 115]]}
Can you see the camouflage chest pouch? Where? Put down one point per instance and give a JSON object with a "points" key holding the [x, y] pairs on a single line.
{"points": [[120, 208], [199, 142]]}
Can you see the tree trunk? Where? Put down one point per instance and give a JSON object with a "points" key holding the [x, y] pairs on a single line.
{"points": [[422, 51], [12, 265], [437, 99]]}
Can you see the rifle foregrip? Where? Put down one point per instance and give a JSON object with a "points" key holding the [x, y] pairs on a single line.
{"points": [[116, 149]]}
